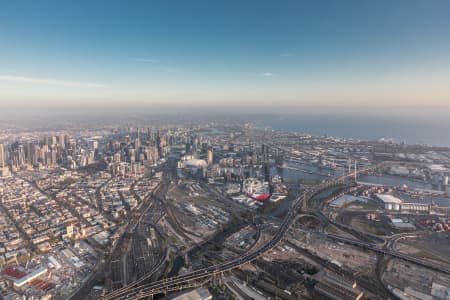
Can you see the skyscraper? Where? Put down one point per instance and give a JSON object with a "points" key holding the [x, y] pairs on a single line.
{"points": [[158, 143], [137, 143], [62, 140], [150, 135], [2, 155], [210, 156], [29, 153]]}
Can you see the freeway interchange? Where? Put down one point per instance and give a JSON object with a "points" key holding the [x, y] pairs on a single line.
{"points": [[140, 289], [175, 283]]}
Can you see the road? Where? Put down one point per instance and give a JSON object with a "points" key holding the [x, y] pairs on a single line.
{"points": [[435, 267], [139, 291], [168, 284]]}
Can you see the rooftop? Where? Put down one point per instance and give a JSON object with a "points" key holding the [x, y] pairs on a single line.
{"points": [[386, 198], [197, 294]]}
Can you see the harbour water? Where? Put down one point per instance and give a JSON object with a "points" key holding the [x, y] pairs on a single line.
{"points": [[294, 172], [411, 130]]}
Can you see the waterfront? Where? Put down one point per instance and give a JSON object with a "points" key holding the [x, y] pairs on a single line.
{"points": [[431, 130], [294, 173]]}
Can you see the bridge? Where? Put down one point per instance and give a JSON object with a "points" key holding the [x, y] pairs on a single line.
{"points": [[140, 289], [192, 279]]}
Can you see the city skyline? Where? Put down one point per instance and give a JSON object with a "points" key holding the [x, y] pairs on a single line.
{"points": [[136, 208], [224, 149], [268, 56]]}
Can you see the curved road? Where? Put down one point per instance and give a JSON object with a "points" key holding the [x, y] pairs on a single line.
{"points": [[161, 286], [188, 280]]}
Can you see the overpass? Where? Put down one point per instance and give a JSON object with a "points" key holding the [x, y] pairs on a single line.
{"points": [[140, 289], [194, 278], [432, 266]]}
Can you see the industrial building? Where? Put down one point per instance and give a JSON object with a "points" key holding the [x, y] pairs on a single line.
{"points": [[415, 207], [29, 277], [197, 294], [401, 224], [391, 202], [346, 199]]}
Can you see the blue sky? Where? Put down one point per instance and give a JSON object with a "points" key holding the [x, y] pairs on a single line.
{"points": [[209, 53]]}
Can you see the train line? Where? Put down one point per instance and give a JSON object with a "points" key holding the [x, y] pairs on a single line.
{"points": [[144, 290], [169, 284]]}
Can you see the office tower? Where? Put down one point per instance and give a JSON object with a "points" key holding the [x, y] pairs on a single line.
{"points": [[19, 155], [149, 135], [266, 172], [2, 156], [188, 148], [158, 143], [94, 145], [62, 141], [210, 156], [29, 153], [137, 144], [35, 155]]}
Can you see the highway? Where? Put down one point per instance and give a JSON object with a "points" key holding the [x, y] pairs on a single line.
{"points": [[435, 267], [145, 290]]}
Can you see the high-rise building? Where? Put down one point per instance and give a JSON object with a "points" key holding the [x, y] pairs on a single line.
{"points": [[53, 156], [62, 140], [137, 144], [150, 135], [2, 156], [132, 154], [158, 143], [209, 156], [94, 145], [35, 155], [19, 156], [188, 148], [29, 153], [116, 157], [91, 157]]}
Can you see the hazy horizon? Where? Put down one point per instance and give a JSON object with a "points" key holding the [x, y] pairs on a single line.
{"points": [[224, 149], [408, 125]]}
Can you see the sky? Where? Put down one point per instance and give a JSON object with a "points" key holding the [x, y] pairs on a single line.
{"points": [[249, 55]]}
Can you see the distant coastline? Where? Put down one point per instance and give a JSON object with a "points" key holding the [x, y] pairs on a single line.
{"points": [[435, 132]]}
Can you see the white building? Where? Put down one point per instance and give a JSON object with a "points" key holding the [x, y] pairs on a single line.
{"points": [[390, 202], [33, 275]]}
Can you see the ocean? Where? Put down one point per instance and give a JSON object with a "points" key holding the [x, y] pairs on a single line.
{"points": [[412, 130]]}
